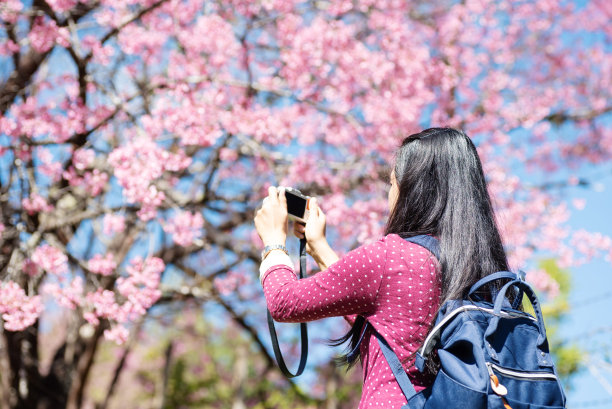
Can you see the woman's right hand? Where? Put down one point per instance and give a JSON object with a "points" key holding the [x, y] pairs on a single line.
{"points": [[314, 230], [316, 242]]}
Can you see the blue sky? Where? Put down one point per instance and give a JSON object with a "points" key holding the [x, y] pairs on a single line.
{"points": [[589, 322]]}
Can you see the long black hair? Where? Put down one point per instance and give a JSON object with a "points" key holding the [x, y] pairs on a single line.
{"points": [[443, 193]]}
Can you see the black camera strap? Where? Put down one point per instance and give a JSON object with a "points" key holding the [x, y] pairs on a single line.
{"points": [[303, 331]]}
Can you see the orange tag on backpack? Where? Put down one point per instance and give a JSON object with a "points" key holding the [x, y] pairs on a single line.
{"points": [[497, 387]]}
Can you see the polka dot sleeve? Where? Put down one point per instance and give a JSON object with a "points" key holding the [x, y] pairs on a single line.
{"points": [[349, 286]]}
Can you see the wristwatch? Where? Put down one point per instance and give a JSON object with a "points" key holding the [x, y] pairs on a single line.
{"points": [[268, 249]]}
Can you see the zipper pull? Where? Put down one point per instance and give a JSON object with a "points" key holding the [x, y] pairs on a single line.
{"points": [[497, 387]]}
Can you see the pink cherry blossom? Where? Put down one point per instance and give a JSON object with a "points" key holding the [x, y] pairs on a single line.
{"points": [[95, 182], [185, 227], [43, 34], [139, 291], [91, 318], [8, 48], [103, 265], [145, 272], [113, 223], [83, 158], [118, 333], [101, 53], [137, 164], [590, 244], [141, 287], [230, 282], [62, 5], [50, 166], [103, 303], [211, 35], [10, 10], [18, 310], [50, 259], [36, 204], [542, 282], [228, 154], [69, 296]]}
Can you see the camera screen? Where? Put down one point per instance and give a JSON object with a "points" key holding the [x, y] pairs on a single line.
{"points": [[295, 205]]}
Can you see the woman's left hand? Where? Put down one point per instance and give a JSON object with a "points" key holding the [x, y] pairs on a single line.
{"points": [[271, 218]]}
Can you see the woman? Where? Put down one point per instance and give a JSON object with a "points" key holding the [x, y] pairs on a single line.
{"points": [[437, 188]]}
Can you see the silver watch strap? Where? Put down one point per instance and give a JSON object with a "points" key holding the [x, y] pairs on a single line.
{"points": [[268, 249]]}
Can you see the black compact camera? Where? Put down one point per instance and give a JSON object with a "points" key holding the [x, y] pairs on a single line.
{"points": [[297, 204]]}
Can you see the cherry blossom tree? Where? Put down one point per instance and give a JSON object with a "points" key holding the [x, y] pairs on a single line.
{"points": [[137, 138]]}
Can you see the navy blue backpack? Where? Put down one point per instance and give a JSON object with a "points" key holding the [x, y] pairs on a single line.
{"points": [[491, 354]]}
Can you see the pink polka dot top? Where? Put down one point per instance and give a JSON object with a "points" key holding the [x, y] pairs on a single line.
{"points": [[393, 283]]}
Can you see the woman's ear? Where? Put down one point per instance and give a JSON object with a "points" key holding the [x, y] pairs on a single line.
{"points": [[393, 191]]}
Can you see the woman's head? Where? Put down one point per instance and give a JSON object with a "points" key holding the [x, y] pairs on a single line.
{"points": [[440, 189]]}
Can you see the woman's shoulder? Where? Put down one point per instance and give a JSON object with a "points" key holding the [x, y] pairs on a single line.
{"points": [[390, 244], [386, 242], [395, 241]]}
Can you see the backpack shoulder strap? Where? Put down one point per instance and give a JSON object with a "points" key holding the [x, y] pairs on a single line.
{"points": [[397, 368], [429, 242]]}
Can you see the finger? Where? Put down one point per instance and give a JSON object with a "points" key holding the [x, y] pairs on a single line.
{"points": [[282, 199], [273, 194], [299, 227], [311, 205]]}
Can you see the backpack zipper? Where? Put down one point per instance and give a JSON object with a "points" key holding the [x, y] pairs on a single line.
{"points": [[519, 375]]}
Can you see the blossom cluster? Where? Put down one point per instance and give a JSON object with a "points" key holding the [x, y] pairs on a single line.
{"points": [[113, 223], [94, 181], [18, 310], [135, 293], [103, 265], [50, 259], [185, 227], [229, 282], [35, 204], [137, 164], [543, 282]]}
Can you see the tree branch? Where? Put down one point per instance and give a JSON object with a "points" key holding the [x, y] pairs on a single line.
{"points": [[559, 118], [81, 375], [119, 368]]}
